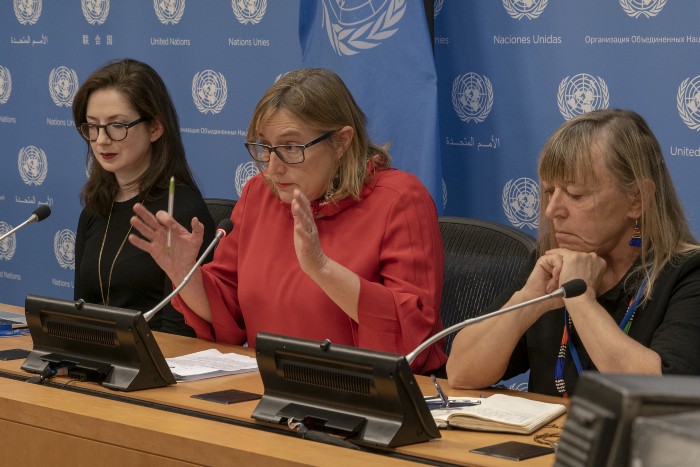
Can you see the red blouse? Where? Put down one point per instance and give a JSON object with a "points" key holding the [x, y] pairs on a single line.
{"points": [[390, 238]]}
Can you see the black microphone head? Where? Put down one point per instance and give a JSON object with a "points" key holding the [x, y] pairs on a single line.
{"points": [[226, 226], [42, 212], [574, 288]]}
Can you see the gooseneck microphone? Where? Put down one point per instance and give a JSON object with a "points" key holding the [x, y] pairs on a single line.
{"points": [[571, 289], [224, 228], [39, 214]]}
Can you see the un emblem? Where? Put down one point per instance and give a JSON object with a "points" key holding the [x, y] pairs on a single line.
{"points": [[5, 84], [95, 11], [521, 202], [519, 9], [27, 11], [209, 91], [249, 11], [245, 172], [356, 25], [637, 8], [472, 97], [580, 94], [8, 245], [32, 165], [64, 248], [688, 102], [169, 11], [63, 84], [437, 7]]}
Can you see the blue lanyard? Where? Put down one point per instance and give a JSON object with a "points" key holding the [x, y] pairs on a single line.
{"points": [[625, 325]]}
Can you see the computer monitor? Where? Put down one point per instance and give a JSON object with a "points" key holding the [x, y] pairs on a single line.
{"points": [[112, 346], [370, 398], [604, 406]]}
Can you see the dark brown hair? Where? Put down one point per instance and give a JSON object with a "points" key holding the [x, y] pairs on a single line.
{"points": [[146, 92]]}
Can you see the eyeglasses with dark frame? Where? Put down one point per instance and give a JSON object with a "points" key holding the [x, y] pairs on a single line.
{"points": [[116, 131], [288, 153]]}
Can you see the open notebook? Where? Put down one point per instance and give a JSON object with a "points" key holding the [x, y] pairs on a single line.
{"points": [[17, 321]]}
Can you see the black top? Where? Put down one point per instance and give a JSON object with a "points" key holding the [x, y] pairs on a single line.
{"points": [[137, 281], [669, 324]]}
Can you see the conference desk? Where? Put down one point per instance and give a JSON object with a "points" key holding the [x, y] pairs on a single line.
{"points": [[66, 422]]}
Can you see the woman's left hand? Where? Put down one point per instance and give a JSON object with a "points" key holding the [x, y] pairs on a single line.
{"points": [[578, 265], [306, 242]]}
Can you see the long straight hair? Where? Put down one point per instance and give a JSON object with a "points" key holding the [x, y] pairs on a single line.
{"points": [[633, 156], [146, 92]]}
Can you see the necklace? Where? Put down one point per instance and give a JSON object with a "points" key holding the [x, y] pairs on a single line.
{"points": [[105, 301], [567, 343]]}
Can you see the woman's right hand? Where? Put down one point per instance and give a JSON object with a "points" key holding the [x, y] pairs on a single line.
{"points": [[184, 246]]}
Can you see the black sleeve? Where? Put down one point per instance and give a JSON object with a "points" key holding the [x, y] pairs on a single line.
{"points": [[79, 249]]}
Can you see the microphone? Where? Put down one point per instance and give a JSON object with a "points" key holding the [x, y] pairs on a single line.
{"points": [[571, 289], [224, 228], [39, 214]]}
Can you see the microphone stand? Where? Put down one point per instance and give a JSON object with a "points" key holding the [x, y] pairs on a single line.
{"points": [[221, 232], [560, 292], [32, 218]]}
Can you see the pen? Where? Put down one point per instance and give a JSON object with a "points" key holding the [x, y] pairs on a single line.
{"points": [[171, 203], [442, 395]]}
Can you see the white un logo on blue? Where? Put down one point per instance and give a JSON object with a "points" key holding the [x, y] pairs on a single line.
{"points": [[646, 8], [521, 202], [580, 94], [63, 84], [5, 84], [95, 11], [519, 9], [27, 11], [249, 11], [245, 172], [209, 91], [169, 11], [356, 25], [688, 102], [8, 245], [472, 97], [64, 248], [32, 165]]}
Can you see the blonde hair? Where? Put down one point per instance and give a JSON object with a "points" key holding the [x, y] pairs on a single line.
{"points": [[320, 99], [633, 155]]}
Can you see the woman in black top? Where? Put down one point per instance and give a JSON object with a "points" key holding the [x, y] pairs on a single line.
{"points": [[610, 216], [125, 113]]}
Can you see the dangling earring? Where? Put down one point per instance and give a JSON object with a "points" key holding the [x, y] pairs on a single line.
{"points": [[332, 188], [636, 239]]}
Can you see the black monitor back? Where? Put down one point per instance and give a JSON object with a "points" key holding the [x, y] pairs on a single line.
{"points": [[371, 398], [598, 426], [110, 345]]}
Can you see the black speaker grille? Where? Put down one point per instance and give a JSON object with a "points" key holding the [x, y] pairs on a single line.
{"points": [[338, 380], [82, 333]]}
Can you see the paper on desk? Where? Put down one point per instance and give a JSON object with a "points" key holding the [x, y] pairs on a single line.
{"points": [[209, 364]]}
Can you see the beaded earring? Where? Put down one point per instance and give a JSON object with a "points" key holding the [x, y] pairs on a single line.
{"points": [[636, 239]]}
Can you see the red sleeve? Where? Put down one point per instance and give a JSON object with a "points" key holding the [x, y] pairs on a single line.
{"points": [[411, 274], [220, 279]]}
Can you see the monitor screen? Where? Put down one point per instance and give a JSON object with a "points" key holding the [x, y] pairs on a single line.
{"points": [[112, 346], [370, 398], [604, 407]]}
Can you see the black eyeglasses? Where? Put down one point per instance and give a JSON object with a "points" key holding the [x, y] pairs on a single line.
{"points": [[288, 153], [116, 131]]}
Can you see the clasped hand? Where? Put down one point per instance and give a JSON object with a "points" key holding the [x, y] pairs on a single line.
{"points": [[560, 265]]}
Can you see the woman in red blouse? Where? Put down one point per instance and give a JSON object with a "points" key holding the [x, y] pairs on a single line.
{"points": [[329, 242]]}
